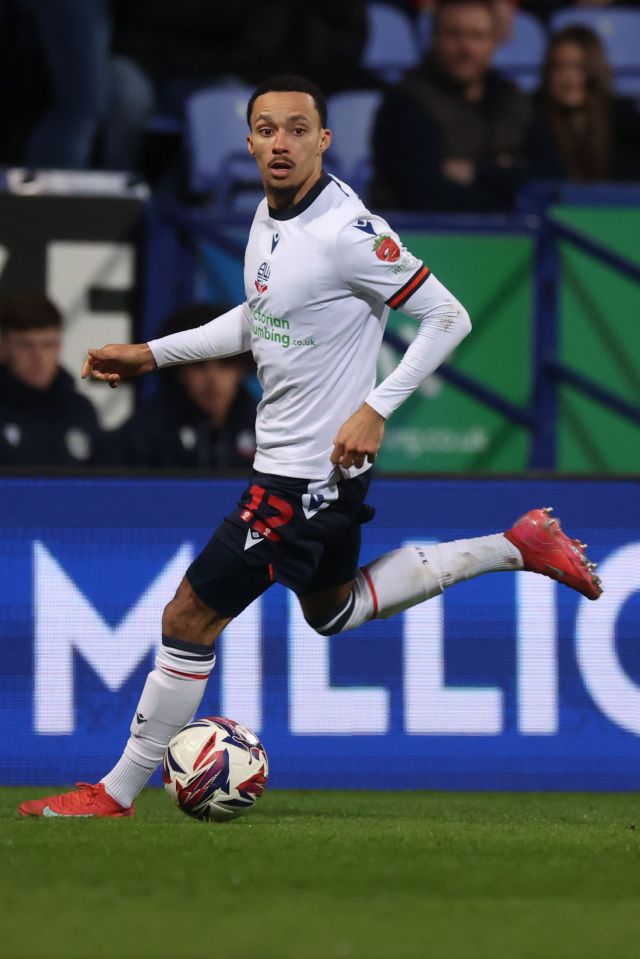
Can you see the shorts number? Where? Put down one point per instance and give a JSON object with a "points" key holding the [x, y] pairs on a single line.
{"points": [[284, 513]]}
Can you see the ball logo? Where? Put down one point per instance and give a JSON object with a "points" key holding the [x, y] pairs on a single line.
{"points": [[262, 279], [386, 249]]}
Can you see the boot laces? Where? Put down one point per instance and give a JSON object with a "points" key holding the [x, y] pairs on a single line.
{"points": [[90, 791]]}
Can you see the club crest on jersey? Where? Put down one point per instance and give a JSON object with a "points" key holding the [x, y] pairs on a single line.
{"points": [[386, 248], [262, 279]]}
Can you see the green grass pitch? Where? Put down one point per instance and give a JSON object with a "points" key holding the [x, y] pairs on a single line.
{"points": [[328, 875]]}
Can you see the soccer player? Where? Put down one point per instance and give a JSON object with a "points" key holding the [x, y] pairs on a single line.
{"points": [[321, 273]]}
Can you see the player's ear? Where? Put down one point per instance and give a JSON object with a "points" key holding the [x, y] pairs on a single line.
{"points": [[325, 140], [250, 145]]}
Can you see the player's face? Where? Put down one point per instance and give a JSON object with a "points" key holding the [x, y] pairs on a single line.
{"points": [[465, 42], [287, 141], [567, 77], [32, 356]]}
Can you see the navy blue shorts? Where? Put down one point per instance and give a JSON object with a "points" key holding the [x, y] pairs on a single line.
{"points": [[291, 531]]}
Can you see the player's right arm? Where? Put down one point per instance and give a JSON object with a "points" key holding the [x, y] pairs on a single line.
{"points": [[226, 335], [118, 361]]}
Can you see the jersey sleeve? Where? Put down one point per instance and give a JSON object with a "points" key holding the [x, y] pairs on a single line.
{"points": [[372, 260], [226, 335], [444, 323]]}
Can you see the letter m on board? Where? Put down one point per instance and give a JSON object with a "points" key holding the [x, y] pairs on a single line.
{"points": [[66, 622]]}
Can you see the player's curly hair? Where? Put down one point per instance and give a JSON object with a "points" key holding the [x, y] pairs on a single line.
{"points": [[289, 83]]}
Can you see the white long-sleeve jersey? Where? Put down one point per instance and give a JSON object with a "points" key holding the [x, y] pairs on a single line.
{"points": [[320, 278]]}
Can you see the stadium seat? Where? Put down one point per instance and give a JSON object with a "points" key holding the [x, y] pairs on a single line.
{"points": [[424, 27], [619, 30], [392, 42], [216, 130], [351, 116], [522, 55]]}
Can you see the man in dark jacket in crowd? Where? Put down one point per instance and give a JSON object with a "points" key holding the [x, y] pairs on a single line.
{"points": [[43, 420], [203, 416], [448, 137]]}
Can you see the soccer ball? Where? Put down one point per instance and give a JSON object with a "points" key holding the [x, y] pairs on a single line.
{"points": [[215, 768]]}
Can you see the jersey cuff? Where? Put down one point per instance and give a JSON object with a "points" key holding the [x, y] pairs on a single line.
{"points": [[377, 403], [413, 283], [156, 351]]}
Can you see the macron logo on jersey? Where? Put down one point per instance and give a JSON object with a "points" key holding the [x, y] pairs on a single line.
{"points": [[275, 239], [252, 539], [312, 503], [366, 226]]}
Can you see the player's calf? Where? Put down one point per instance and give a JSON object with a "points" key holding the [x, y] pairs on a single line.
{"points": [[188, 619]]}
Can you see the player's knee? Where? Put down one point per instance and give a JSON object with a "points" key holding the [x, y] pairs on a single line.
{"points": [[329, 622], [322, 628]]}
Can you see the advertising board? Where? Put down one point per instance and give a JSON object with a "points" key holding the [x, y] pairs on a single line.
{"points": [[505, 682]]}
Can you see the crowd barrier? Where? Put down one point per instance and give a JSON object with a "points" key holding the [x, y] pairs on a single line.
{"points": [[506, 682]]}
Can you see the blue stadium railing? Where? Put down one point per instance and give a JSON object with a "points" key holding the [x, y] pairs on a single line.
{"points": [[174, 234]]}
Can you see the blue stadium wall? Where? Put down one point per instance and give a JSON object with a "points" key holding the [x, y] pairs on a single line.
{"points": [[506, 682]]}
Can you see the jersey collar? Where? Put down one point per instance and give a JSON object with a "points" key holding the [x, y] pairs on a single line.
{"points": [[304, 203]]}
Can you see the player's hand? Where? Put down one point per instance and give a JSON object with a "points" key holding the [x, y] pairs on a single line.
{"points": [[359, 438], [118, 361]]}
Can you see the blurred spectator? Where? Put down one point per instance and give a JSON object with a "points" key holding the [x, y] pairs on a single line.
{"points": [[324, 40], [43, 420], [23, 82], [202, 417], [164, 51], [503, 11], [579, 130], [75, 36], [449, 136]]}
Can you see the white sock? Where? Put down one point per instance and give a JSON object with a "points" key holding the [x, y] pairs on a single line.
{"points": [[465, 558], [413, 574], [171, 695]]}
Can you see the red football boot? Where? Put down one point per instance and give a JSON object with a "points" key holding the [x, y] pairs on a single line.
{"points": [[546, 549], [87, 800]]}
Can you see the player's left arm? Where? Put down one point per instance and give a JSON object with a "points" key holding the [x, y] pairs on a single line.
{"points": [[374, 261], [444, 323]]}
